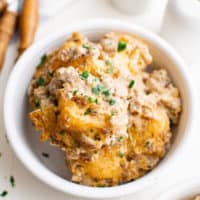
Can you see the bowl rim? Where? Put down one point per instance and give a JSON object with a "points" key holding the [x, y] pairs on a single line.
{"points": [[52, 179], [182, 189]]}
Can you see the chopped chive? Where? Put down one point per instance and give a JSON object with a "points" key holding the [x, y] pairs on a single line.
{"points": [[0, 154], [120, 138], [131, 84], [74, 92], [147, 143], [121, 46], [46, 155], [120, 154], [97, 90], [62, 132], [112, 102], [87, 46], [4, 193], [84, 75], [88, 111], [113, 113], [40, 81], [92, 100], [96, 101], [42, 60], [100, 185], [106, 93], [110, 71], [38, 102], [108, 63], [12, 181]]}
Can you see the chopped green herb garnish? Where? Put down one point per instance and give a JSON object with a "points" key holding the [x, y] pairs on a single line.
{"points": [[38, 103], [88, 111], [120, 138], [84, 75], [4, 193], [92, 100], [98, 89], [46, 155], [108, 63], [113, 113], [42, 60], [0, 154], [147, 143], [100, 185], [110, 71], [106, 93], [12, 181], [74, 92], [121, 46], [87, 46], [131, 84], [40, 81], [112, 102], [96, 101], [120, 154], [50, 73], [62, 132]]}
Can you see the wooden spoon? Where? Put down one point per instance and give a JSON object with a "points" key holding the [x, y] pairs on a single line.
{"points": [[28, 23], [7, 28], [3, 5]]}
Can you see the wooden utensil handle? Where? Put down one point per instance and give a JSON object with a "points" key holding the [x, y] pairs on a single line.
{"points": [[3, 4], [7, 28], [28, 24]]}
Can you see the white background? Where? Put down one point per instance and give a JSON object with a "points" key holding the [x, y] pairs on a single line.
{"points": [[183, 36]]}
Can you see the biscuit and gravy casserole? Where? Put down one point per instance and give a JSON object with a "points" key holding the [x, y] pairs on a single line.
{"points": [[106, 106]]}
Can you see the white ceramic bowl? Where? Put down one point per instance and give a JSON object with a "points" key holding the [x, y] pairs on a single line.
{"points": [[183, 191], [24, 139], [141, 7]]}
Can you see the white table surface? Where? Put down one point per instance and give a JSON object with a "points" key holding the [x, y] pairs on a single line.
{"points": [[186, 40]]}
